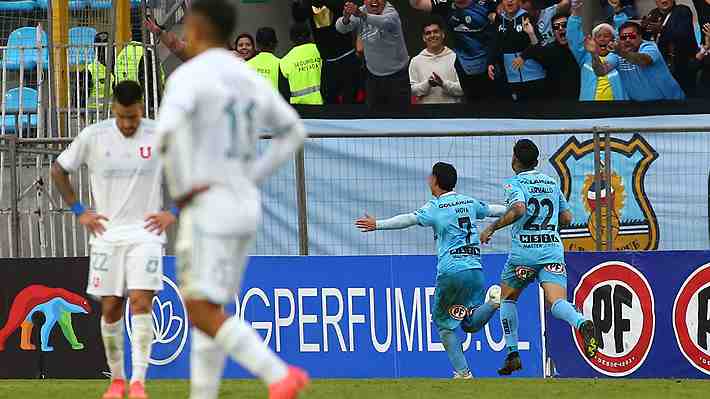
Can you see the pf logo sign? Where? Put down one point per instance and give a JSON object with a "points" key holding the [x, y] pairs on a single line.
{"points": [[691, 319], [617, 297]]}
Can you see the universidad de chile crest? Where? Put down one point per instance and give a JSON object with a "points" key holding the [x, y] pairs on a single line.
{"points": [[633, 222]]}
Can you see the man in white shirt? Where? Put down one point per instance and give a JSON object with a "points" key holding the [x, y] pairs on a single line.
{"points": [[213, 108], [432, 73], [127, 226]]}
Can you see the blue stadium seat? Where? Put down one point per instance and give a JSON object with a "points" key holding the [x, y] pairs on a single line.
{"points": [[83, 38], [107, 4], [12, 109], [18, 6], [25, 37], [73, 4]]}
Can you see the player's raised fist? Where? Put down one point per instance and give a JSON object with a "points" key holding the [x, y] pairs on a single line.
{"points": [[366, 223]]}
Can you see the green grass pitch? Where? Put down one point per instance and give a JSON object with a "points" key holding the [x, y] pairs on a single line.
{"points": [[386, 389]]}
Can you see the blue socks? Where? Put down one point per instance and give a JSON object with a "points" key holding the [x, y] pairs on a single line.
{"points": [[564, 310], [479, 318], [509, 321], [453, 347]]}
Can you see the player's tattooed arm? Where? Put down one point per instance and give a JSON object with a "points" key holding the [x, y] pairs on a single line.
{"points": [[514, 212], [88, 218], [565, 218]]}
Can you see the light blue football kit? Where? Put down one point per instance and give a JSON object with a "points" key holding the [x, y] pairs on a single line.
{"points": [[460, 284], [536, 248]]}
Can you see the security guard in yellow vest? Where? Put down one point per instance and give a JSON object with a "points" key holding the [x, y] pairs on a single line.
{"points": [[302, 67], [266, 63], [98, 96]]}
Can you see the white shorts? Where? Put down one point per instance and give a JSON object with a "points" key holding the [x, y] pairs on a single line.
{"points": [[211, 264], [116, 269]]}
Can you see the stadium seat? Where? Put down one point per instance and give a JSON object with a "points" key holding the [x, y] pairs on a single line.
{"points": [[18, 6], [83, 38], [107, 4], [12, 109], [25, 37], [73, 4]]}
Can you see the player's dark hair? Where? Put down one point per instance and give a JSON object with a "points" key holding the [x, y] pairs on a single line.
{"points": [[221, 15], [526, 153], [266, 38], [445, 175], [631, 24], [127, 93], [434, 20]]}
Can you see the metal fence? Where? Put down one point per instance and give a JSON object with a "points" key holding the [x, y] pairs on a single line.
{"points": [[310, 205]]}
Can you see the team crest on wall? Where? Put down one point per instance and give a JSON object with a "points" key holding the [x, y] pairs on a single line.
{"points": [[633, 222]]}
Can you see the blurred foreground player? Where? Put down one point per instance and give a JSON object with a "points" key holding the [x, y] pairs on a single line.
{"points": [[214, 106], [460, 283], [535, 207], [127, 227]]}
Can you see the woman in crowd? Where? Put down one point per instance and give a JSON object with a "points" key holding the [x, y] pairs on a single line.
{"points": [[244, 46]]}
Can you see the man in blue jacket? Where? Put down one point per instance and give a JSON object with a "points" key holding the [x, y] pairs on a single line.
{"points": [[641, 66]]}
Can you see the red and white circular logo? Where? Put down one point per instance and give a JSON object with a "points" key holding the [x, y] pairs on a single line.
{"points": [[618, 298], [691, 318]]}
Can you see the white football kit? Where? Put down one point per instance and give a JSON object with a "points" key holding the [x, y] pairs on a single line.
{"points": [[213, 108], [125, 176]]}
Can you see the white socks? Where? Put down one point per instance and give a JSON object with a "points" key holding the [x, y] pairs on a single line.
{"points": [[112, 335], [247, 348], [206, 366], [141, 340]]}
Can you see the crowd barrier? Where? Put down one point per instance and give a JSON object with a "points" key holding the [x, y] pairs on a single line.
{"points": [[367, 317]]}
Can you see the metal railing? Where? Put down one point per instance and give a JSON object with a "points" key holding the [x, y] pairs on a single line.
{"points": [[310, 205]]}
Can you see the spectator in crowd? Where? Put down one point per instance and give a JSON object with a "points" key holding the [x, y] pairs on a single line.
{"points": [[432, 73], [176, 45], [643, 71], [386, 58], [592, 87], [616, 12], [515, 33], [100, 84], [703, 59], [471, 24], [265, 63], [543, 18], [559, 62], [670, 25], [341, 67], [302, 67], [244, 46]]}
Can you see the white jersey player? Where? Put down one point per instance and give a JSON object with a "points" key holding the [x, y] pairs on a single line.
{"points": [[127, 227], [213, 108]]}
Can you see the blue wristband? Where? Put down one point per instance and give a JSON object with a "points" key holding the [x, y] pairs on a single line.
{"points": [[78, 208], [175, 210]]}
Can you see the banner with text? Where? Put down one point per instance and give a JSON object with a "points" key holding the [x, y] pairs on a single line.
{"points": [[652, 310], [347, 317]]}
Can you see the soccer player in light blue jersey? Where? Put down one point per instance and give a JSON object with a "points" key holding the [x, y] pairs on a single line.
{"points": [[460, 283], [535, 207]]}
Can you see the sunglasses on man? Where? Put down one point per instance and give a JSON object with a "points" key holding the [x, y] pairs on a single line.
{"points": [[628, 36], [559, 26]]}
